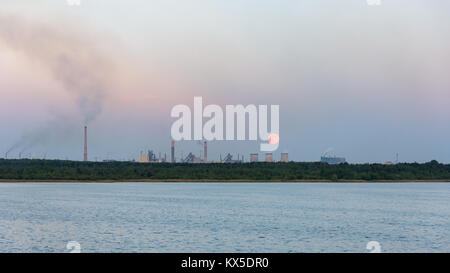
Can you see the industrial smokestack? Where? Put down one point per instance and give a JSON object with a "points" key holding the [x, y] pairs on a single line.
{"points": [[205, 152], [85, 143], [172, 151]]}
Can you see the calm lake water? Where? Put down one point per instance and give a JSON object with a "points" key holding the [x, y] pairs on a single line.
{"points": [[220, 217]]}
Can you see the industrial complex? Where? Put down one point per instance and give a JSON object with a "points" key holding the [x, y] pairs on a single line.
{"points": [[149, 156], [328, 158]]}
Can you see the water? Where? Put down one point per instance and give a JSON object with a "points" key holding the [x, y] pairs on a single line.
{"points": [[221, 217]]}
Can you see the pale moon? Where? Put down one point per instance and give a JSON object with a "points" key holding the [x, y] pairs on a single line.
{"points": [[274, 138]]}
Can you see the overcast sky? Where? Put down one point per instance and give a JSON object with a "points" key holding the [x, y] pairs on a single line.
{"points": [[365, 81]]}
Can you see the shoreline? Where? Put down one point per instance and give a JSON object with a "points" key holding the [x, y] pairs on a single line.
{"points": [[214, 181]]}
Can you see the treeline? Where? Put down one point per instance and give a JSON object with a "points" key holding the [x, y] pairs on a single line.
{"points": [[75, 170]]}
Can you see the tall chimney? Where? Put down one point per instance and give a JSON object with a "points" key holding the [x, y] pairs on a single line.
{"points": [[172, 151], [205, 152], [85, 143]]}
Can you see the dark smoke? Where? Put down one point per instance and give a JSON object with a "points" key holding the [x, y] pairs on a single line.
{"points": [[72, 59], [79, 80], [56, 133]]}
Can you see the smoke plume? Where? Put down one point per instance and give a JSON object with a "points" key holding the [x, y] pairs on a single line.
{"points": [[71, 57], [56, 133]]}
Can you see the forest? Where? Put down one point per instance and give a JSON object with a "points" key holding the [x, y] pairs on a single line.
{"points": [[36, 170]]}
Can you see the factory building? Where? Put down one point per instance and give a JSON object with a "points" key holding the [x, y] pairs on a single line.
{"points": [[191, 158], [150, 156], [284, 157], [143, 157], [254, 158], [332, 160], [268, 157], [172, 151], [229, 159]]}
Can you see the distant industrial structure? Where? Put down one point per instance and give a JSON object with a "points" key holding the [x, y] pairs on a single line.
{"points": [[172, 151], [205, 152], [85, 158], [284, 157], [143, 158], [254, 158], [150, 157], [331, 159], [191, 158], [392, 163], [197, 158], [229, 159]]}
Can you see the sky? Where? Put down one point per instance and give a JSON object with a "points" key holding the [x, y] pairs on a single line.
{"points": [[365, 82]]}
